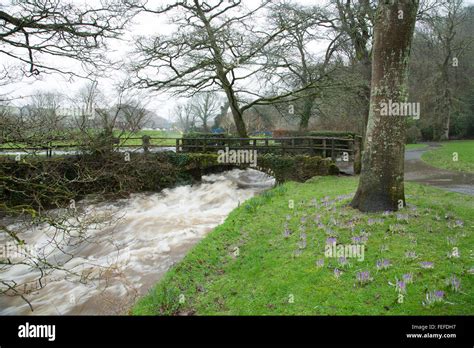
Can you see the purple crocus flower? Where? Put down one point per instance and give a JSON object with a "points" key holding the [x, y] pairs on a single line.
{"points": [[427, 264], [454, 283], [337, 272], [350, 224], [401, 286], [363, 277], [303, 220], [331, 240], [439, 294], [320, 263], [342, 261], [383, 264], [458, 223], [432, 297], [286, 233], [408, 278], [357, 240]]}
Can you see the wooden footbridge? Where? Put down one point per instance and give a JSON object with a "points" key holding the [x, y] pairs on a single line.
{"points": [[339, 149]]}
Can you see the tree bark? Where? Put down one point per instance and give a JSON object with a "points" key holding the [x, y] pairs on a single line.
{"points": [[308, 103], [381, 184], [236, 111], [446, 111], [222, 75]]}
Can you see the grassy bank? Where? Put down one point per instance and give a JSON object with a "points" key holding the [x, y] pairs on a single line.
{"points": [[444, 157], [415, 146], [247, 266]]}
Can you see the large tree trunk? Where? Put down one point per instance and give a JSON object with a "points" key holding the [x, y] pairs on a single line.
{"points": [[233, 103], [239, 120], [381, 184]]}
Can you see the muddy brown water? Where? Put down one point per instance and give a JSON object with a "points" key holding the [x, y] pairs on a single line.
{"points": [[155, 231], [125, 259]]}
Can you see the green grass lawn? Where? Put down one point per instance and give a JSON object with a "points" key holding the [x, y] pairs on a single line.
{"points": [[444, 156], [415, 146], [125, 139], [247, 266], [151, 133]]}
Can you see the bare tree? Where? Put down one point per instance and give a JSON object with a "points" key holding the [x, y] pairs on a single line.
{"points": [[32, 34], [356, 27], [215, 47], [381, 185], [37, 123], [302, 67], [443, 24], [33, 30], [186, 117], [206, 106]]}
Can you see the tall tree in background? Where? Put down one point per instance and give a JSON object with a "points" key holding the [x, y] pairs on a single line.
{"points": [[444, 26], [217, 46], [381, 185], [206, 106], [356, 26], [292, 50], [186, 117]]}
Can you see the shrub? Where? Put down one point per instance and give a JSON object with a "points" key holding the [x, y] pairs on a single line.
{"points": [[413, 135]]}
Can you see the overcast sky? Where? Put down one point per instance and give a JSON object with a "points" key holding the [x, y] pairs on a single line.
{"points": [[144, 24]]}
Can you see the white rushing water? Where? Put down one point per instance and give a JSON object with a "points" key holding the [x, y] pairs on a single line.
{"points": [[122, 260]]}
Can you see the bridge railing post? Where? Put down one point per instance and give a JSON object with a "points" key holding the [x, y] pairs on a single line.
{"points": [[146, 143], [357, 154], [333, 152]]}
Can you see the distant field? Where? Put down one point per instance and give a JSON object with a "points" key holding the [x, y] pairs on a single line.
{"points": [[445, 156], [124, 137], [151, 133]]}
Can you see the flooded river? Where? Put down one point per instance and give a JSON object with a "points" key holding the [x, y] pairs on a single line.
{"points": [[122, 259]]}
